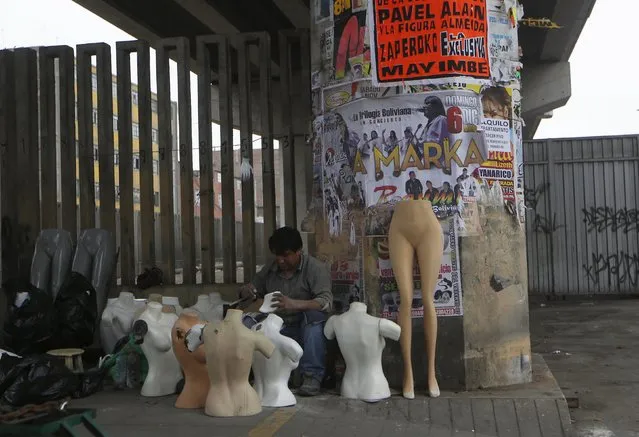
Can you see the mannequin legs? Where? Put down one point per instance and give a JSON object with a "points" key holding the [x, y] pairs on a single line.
{"points": [[414, 228], [402, 263], [429, 255]]}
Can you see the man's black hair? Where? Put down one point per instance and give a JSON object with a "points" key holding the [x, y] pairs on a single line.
{"points": [[437, 104], [285, 239]]}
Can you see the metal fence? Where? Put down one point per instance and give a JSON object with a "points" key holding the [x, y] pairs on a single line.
{"points": [[582, 221], [48, 132]]}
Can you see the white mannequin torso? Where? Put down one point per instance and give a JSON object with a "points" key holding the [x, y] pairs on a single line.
{"points": [[107, 334], [117, 320], [215, 312], [272, 374], [361, 340], [229, 347], [164, 369], [202, 306], [174, 302]]}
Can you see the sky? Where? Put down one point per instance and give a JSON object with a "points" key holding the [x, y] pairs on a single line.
{"points": [[595, 108]]}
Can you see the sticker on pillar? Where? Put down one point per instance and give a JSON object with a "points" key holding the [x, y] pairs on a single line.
{"points": [[341, 94], [428, 39], [467, 222], [322, 10], [504, 71], [521, 206], [327, 46], [502, 37]]}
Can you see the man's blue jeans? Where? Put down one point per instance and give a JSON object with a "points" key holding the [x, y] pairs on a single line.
{"points": [[309, 333]]}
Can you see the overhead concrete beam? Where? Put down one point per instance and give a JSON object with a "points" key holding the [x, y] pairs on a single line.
{"points": [[120, 20], [296, 11], [572, 16], [545, 87], [215, 21]]}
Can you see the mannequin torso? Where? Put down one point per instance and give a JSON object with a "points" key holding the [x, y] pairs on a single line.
{"points": [[174, 302], [216, 307], [361, 340], [117, 320], [229, 347], [202, 306], [164, 369], [196, 377], [272, 374]]}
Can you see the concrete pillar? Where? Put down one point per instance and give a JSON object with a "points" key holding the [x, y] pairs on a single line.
{"points": [[547, 87], [483, 335]]}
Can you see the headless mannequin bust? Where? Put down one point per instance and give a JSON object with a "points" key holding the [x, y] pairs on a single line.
{"points": [[414, 229], [164, 369], [51, 260], [272, 374], [361, 340], [216, 308], [229, 347], [202, 306], [117, 320], [95, 259], [174, 302], [155, 297], [196, 378], [107, 335]]}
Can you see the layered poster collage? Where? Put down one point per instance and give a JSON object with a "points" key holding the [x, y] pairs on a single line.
{"points": [[419, 99]]}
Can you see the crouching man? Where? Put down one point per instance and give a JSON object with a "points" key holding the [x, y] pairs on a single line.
{"points": [[305, 284]]}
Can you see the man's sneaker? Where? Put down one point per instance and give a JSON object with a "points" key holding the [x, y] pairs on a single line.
{"points": [[310, 386]]}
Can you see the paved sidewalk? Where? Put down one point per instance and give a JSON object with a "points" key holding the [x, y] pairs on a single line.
{"points": [[591, 348], [535, 410]]}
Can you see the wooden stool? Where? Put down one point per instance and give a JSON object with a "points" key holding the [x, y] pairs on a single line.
{"points": [[72, 358]]}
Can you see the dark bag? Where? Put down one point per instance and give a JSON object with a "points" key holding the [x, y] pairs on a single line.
{"points": [[149, 278], [30, 326], [76, 307], [35, 380], [89, 382]]}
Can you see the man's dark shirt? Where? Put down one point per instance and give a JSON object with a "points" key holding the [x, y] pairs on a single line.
{"points": [[414, 187], [311, 281], [431, 194]]}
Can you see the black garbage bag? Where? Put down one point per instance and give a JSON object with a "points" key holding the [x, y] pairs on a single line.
{"points": [[76, 308], [30, 325], [89, 382], [34, 380], [150, 278]]}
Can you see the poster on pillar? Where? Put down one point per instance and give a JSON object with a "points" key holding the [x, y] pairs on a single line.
{"points": [[347, 284], [428, 145], [503, 48], [447, 294], [425, 41], [344, 43]]}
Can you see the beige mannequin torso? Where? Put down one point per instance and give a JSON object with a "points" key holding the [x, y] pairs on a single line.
{"points": [[229, 347], [196, 377]]}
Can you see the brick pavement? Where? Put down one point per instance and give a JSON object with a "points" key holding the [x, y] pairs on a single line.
{"points": [[535, 410]]}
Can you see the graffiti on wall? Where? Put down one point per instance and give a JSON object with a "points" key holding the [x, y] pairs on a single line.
{"points": [[540, 223], [619, 268], [601, 219]]}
